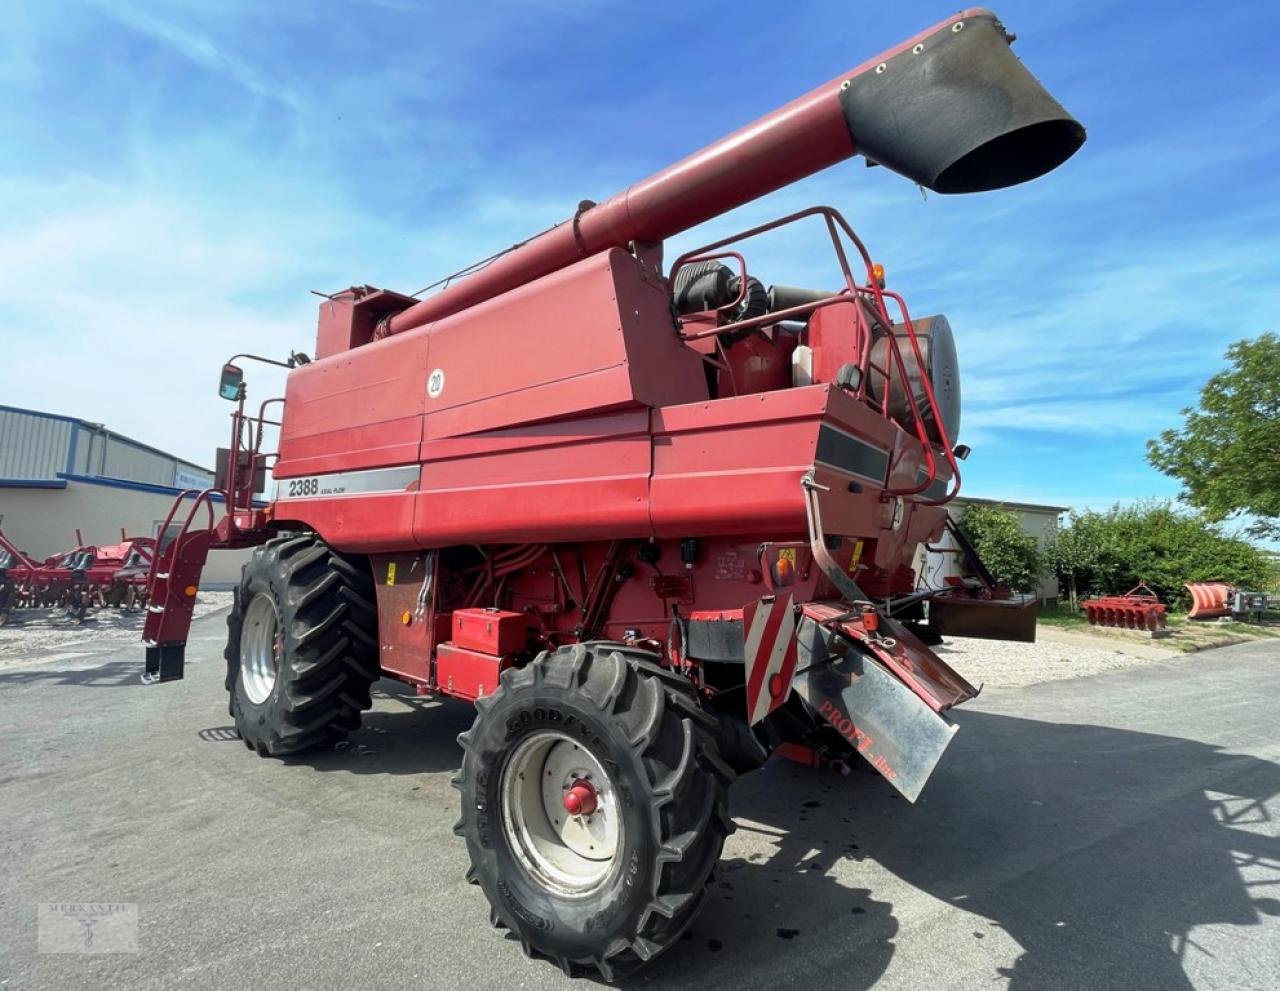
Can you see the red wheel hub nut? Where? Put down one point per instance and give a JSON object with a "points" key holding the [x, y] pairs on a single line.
{"points": [[580, 800]]}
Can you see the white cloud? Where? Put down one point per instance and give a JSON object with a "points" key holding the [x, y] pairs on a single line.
{"points": [[201, 49]]}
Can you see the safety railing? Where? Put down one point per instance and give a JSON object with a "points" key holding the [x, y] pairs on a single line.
{"points": [[870, 291]]}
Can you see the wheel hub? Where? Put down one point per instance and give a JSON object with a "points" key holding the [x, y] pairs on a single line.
{"points": [[581, 799], [260, 649], [560, 814]]}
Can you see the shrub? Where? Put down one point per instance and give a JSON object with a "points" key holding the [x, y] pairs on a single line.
{"points": [[1152, 542], [1010, 555]]}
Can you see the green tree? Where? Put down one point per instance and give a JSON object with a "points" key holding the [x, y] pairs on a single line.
{"points": [[1227, 453], [1010, 554], [1076, 553], [1154, 543]]}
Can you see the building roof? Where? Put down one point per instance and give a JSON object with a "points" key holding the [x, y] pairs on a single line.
{"points": [[38, 447], [1029, 507]]}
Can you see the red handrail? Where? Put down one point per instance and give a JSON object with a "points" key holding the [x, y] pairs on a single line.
{"points": [[835, 222]]}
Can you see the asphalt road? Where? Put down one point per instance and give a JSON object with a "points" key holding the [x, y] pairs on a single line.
{"points": [[1118, 831]]}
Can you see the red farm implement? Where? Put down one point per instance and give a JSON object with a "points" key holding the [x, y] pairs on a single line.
{"points": [[78, 580], [658, 521], [16, 569], [1218, 600], [1137, 609], [1209, 600]]}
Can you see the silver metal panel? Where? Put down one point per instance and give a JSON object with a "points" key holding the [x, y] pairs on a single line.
{"points": [[886, 722], [121, 459], [32, 446], [36, 446], [347, 483]]}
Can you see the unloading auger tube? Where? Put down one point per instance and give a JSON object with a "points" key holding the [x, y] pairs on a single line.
{"points": [[951, 109]]}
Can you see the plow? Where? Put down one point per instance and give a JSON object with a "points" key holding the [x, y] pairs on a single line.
{"points": [[655, 518], [1137, 609], [83, 578]]}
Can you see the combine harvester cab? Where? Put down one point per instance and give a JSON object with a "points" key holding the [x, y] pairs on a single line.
{"points": [[658, 521]]}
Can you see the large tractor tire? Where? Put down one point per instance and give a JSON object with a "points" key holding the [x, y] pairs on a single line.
{"points": [[302, 646], [594, 806]]}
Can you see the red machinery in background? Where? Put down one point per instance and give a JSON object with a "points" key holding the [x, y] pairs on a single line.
{"points": [[1138, 609], [15, 575], [656, 519], [82, 578], [1219, 600]]}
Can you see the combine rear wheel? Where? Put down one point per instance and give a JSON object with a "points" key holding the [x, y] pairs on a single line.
{"points": [[302, 646], [593, 806]]}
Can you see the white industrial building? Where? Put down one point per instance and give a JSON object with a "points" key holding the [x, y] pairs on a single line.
{"points": [[1041, 522], [59, 474]]}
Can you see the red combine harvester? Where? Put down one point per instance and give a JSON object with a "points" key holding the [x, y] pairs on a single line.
{"points": [[658, 523]]}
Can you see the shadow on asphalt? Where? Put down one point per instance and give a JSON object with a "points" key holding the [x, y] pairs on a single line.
{"points": [[111, 674], [414, 735], [1097, 850]]}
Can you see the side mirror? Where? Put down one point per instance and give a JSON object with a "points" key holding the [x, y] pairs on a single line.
{"points": [[231, 385]]}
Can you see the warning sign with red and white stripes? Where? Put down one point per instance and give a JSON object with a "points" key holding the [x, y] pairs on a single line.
{"points": [[769, 629]]}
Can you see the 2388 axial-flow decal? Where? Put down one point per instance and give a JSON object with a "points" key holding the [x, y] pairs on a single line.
{"points": [[661, 525]]}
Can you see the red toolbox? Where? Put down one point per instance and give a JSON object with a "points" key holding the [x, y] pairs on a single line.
{"points": [[490, 631], [467, 674]]}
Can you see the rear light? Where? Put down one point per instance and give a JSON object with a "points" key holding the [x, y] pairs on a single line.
{"points": [[870, 620]]}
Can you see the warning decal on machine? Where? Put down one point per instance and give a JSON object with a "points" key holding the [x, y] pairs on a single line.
{"points": [[769, 625]]}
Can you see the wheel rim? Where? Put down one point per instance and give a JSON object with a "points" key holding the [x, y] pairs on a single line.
{"points": [[260, 649], [567, 853]]}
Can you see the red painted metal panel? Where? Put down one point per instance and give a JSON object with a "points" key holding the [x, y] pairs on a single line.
{"points": [[375, 445], [404, 648], [746, 453], [367, 523], [587, 338], [750, 452], [837, 337], [569, 480], [360, 408], [348, 319]]}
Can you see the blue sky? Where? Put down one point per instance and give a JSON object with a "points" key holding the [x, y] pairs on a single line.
{"points": [[176, 175]]}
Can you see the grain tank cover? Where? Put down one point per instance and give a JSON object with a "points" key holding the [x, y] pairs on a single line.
{"points": [[958, 112]]}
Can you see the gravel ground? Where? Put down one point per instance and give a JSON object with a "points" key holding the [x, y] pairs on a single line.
{"points": [[1056, 654], [48, 635]]}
